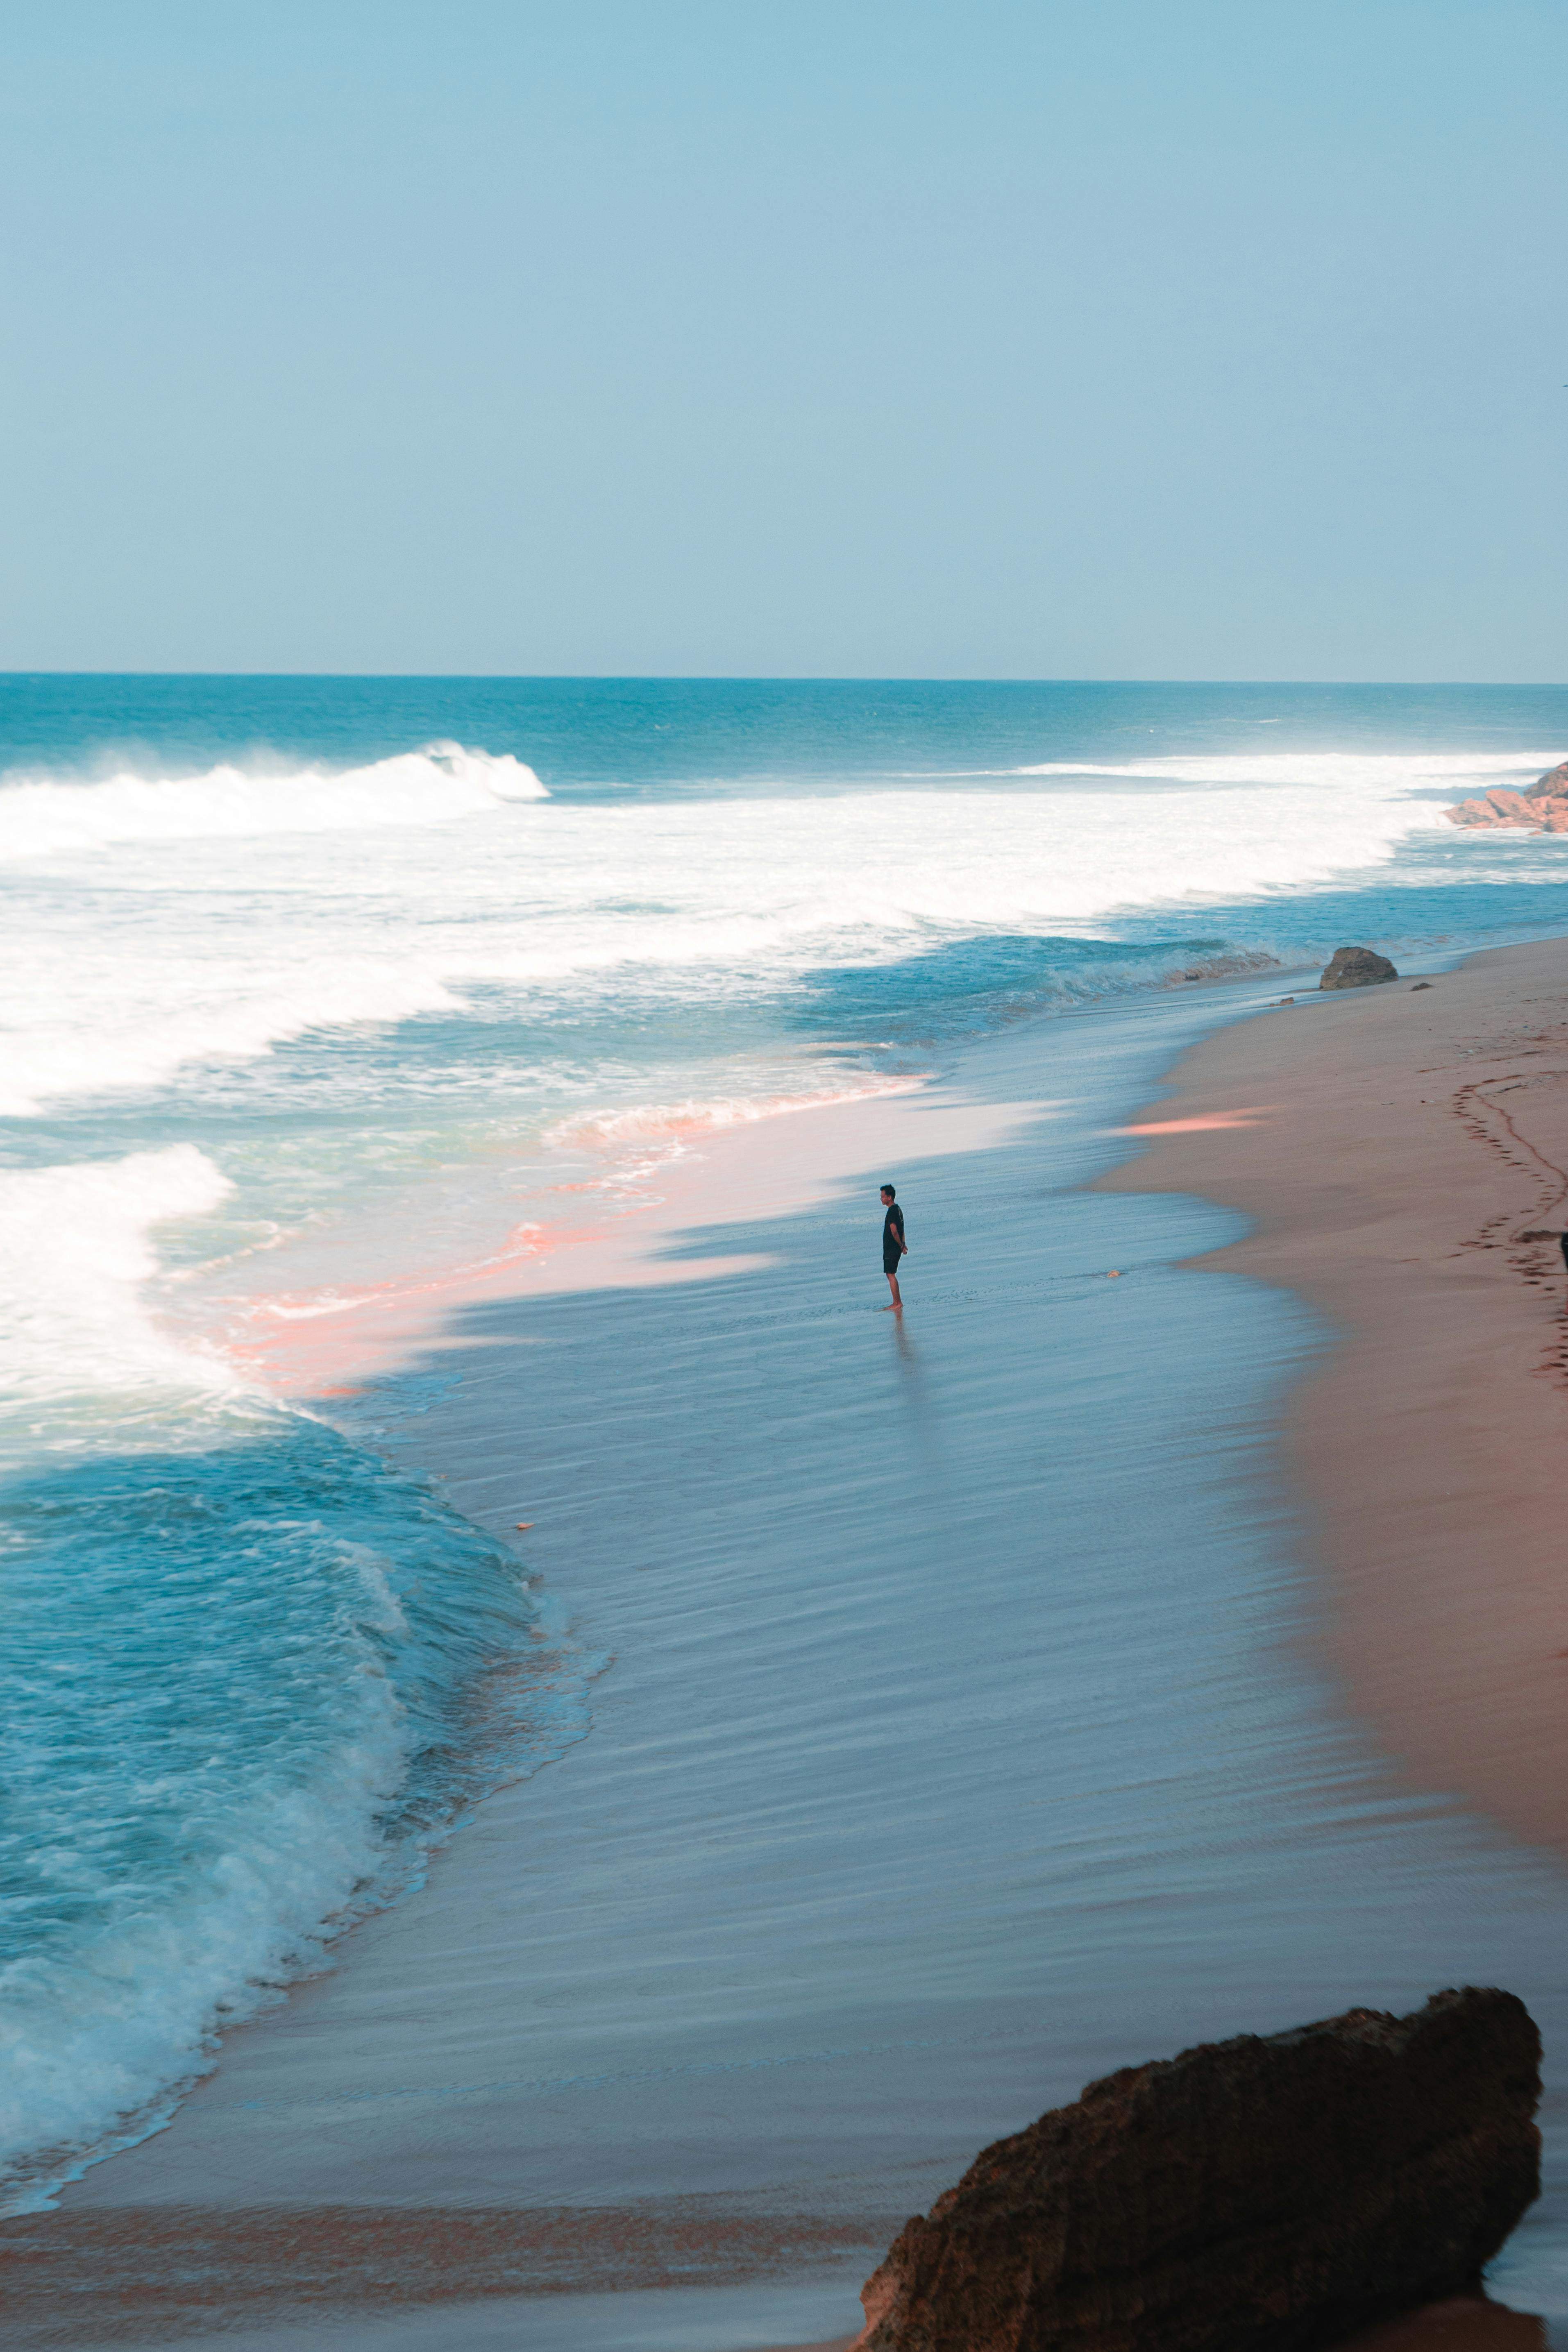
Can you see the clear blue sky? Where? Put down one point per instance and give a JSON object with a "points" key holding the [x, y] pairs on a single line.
{"points": [[1123, 338]]}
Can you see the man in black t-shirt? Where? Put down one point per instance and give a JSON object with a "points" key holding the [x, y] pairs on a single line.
{"points": [[894, 1245]]}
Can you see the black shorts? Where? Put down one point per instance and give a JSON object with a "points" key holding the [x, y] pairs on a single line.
{"points": [[891, 1261]]}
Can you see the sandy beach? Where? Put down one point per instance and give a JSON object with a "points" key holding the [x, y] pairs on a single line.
{"points": [[1401, 1155], [913, 1799]]}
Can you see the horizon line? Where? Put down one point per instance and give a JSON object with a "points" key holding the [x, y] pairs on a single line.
{"points": [[777, 678]]}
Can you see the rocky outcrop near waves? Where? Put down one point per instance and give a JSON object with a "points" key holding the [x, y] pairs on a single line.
{"points": [[1542, 809], [1260, 2195], [1357, 968]]}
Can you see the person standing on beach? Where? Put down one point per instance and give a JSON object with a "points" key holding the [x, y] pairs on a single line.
{"points": [[894, 1245]]}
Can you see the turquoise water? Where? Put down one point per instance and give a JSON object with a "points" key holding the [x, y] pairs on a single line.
{"points": [[316, 984]]}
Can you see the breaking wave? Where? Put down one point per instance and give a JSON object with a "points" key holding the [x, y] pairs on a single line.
{"points": [[48, 816]]}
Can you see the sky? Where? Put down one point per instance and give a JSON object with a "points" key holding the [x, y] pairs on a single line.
{"points": [[1152, 338]]}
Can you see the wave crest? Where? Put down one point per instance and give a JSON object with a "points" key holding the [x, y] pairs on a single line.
{"points": [[45, 817]]}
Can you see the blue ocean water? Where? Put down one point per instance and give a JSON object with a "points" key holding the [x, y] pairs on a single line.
{"points": [[356, 977]]}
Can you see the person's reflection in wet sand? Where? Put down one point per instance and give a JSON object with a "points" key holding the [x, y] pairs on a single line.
{"points": [[922, 1429]]}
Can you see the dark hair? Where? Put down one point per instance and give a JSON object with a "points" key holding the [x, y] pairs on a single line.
{"points": [[889, 1191]]}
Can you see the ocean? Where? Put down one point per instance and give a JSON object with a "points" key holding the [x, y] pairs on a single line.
{"points": [[321, 993]]}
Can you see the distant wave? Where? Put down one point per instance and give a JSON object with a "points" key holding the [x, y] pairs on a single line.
{"points": [[566, 905], [1384, 770], [571, 904], [43, 817]]}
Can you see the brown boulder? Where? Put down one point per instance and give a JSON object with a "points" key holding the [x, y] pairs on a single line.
{"points": [[1356, 968], [1553, 785], [1260, 2195], [1472, 813], [1513, 807]]}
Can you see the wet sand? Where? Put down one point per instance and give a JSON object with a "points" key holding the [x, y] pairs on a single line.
{"points": [[160, 2274], [1401, 1153], [957, 1739]]}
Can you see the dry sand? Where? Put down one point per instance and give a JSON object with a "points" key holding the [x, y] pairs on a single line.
{"points": [[1402, 1152]]}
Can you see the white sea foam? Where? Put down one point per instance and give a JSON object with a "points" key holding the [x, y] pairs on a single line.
{"points": [[45, 817], [177, 947], [676, 1122], [76, 1253], [762, 888], [98, 2044], [196, 1003]]}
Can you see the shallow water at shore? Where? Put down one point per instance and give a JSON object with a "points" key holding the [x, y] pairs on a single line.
{"points": [[962, 1738]]}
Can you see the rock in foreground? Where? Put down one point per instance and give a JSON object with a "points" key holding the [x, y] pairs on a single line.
{"points": [[1356, 968], [1249, 2195]]}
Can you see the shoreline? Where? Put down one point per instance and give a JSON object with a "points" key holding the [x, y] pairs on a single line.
{"points": [[1396, 1151], [674, 1247]]}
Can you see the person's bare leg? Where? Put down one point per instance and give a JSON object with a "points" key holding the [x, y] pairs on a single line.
{"points": [[898, 1306]]}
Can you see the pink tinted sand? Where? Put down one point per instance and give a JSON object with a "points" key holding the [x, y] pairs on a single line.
{"points": [[313, 1341]]}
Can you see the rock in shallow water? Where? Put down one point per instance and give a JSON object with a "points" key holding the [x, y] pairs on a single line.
{"points": [[1249, 2195], [1542, 809], [1356, 968]]}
